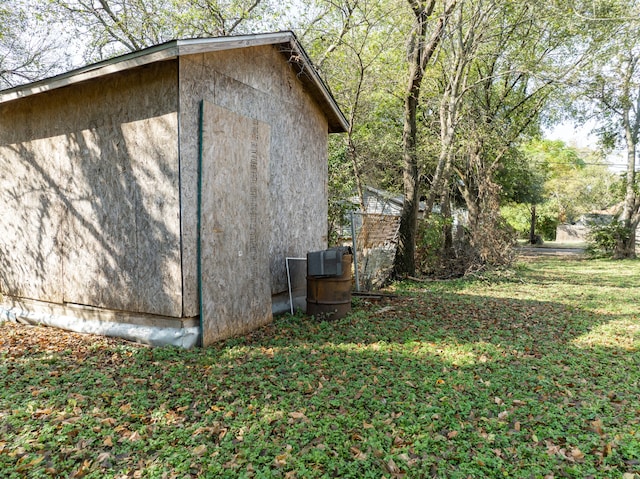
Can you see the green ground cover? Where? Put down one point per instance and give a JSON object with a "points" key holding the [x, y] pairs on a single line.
{"points": [[532, 373]]}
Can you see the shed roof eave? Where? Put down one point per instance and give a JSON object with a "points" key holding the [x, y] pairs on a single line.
{"points": [[166, 51], [173, 49]]}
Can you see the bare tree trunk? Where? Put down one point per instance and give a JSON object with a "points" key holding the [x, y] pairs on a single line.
{"points": [[462, 49], [532, 226], [405, 263], [448, 111], [447, 229], [630, 217], [421, 52], [471, 201]]}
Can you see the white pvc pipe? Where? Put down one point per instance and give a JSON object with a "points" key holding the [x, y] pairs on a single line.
{"points": [[151, 335], [289, 280]]}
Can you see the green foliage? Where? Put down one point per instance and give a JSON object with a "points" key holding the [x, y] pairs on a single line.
{"points": [[521, 180], [341, 190], [617, 188], [610, 89], [554, 157], [358, 48], [603, 238], [575, 182], [430, 242], [546, 226], [518, 216], [530, 373]]}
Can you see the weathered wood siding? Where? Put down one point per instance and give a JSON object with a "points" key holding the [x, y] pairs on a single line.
{"points": [[89, 186], [258, 83], [236, 294]]}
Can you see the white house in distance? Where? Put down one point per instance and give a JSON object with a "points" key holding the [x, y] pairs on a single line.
{"points": [[156, 195]]}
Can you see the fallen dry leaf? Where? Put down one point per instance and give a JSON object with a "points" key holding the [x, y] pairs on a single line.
{"points": [[200, 450], [577, 454], [102, 459], [280, 460], [597, 427], [357, 453], [392, 467]]}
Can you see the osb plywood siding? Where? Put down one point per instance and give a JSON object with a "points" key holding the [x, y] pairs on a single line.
{"points": [[259, 83], [32, 212], [89, 188], [236, 295]]}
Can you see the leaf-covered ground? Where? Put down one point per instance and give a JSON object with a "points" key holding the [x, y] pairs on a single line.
{"points": [[527, 374]]}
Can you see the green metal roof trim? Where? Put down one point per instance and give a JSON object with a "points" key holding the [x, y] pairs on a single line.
{"points": [[286, 41]]}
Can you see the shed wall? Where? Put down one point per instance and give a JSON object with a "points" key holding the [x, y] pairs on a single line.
{"points": [[89, 184], [236, 296], [258, 83]]}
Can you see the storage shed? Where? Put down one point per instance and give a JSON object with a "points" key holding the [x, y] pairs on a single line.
{"points": [[155, 196]]}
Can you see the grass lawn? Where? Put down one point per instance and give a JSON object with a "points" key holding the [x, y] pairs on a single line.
{"points": [[532, 373]]}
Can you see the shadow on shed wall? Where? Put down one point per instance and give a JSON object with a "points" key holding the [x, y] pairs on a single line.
{"points": [[90, 191]]}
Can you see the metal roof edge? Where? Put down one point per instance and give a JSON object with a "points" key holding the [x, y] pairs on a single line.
{"points": [[202, 45], [149, 55]]}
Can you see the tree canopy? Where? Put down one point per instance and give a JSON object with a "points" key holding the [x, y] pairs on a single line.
{"points": [[29, 50], [441, 95]]}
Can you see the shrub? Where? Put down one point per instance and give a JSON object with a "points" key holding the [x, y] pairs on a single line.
{"points": [[486, 246], [546, 226], [430, 242], [602, 239]]}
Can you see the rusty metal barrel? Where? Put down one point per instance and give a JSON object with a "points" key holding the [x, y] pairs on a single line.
{"points": [[329, 296]]}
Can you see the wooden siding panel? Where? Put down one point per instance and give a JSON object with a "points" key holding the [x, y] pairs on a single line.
{"points": [[298, 187], [105, 153], [258, 83], [192, 86], [30, 255], [236, 296], [99, 243], [155, 171]]}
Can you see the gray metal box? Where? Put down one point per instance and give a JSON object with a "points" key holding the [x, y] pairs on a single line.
{"points": [[325, 263]]}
